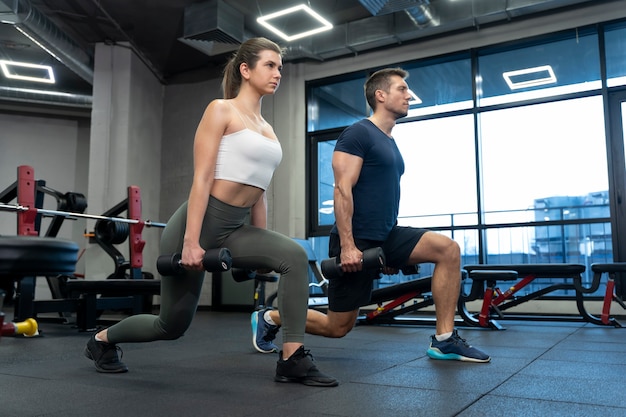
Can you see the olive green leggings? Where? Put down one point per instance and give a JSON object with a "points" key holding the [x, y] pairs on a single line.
{"points": [[251, 248]]}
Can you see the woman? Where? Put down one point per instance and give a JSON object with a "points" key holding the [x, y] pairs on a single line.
{"points": [[235, 154]]}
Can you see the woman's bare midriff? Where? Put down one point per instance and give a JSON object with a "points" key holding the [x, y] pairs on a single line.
{"points": [[236, 194]]}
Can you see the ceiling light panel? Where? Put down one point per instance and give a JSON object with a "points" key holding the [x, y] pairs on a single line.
{"points": [[295, 22], [414, 98], [529, 77], [27, 72]]}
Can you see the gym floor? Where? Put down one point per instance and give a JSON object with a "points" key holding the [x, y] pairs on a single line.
{"points": [[538, 368]]}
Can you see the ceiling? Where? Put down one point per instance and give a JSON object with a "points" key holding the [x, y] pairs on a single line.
{"points": [[179, 46]]}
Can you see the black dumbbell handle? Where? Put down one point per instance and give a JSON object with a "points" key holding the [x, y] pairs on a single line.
{"points": [[214, 260], [372, 258]]}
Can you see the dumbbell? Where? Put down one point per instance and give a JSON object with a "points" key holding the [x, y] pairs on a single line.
{"points": [[241, 275], [373, 258], [410, 269], [28, 328], [214, 260]]}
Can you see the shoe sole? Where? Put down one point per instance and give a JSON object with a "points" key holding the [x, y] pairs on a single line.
{"points": [[254, 321], [88, 355], [305, 381], [437, 354]]}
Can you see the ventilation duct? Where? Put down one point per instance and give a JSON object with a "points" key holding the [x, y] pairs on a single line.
{"points": [[422, 16], [398, 21], [33, 24], [45, 97], [213, 27]]}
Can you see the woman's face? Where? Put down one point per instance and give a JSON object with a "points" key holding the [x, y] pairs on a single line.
{"points": [[266, 74]]}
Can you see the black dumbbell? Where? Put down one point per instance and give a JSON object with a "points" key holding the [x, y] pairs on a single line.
{"points": [[214, 260], [241, 275], [410, 269], [373, 258]]}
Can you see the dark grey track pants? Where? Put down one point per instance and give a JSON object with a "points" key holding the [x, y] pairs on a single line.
{"points": [[251, 247]]}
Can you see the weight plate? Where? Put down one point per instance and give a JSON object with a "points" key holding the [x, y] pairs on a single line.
{"points": [[33, 255]]}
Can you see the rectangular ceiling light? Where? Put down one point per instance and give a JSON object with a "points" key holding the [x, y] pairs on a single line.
{"points": [[27, 72], [295, 22], [414, 98], [529, 77]]}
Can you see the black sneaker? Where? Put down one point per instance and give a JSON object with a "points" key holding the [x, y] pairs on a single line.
{"points": [[300, 368], [104, 356]]}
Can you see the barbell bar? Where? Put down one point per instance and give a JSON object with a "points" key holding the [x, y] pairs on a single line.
{"points": [[47, 212]]}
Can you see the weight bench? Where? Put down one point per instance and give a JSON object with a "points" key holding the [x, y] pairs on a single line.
{"points": [[496, 302], [115, 294], [397, 296]]}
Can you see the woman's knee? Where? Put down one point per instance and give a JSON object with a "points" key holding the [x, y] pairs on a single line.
{"points": [[293, 256], [173, 328]]}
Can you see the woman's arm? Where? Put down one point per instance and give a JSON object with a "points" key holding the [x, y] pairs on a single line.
{"points": [[258, 213], [206, 145]]}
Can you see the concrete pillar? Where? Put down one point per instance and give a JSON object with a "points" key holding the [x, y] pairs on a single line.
{"points": [[125, 147]]}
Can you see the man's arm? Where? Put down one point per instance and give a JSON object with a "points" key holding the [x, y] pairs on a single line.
{"points": [[346, 169]]}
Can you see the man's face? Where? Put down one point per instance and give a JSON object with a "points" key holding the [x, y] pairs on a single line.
{"points": [[398, 97]]}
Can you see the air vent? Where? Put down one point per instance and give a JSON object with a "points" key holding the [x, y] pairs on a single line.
{"points": [[382, 7], [213, 27]]}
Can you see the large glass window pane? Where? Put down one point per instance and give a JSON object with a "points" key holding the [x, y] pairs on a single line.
{"points": [[546, 164], [624, 125], [326, 183], [440, 87], [550, 155], [543, 70], [439, 182], [615, 41], [336, 104]]}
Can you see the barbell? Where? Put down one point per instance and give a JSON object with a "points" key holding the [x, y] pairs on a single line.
{"points": [[71, 215]]}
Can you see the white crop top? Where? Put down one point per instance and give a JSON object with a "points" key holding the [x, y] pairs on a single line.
{"points": [[248, 157]]}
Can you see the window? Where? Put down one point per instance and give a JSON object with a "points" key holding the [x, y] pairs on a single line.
{"points": [[541, 70], [541, 152], [615, 41], [439, 181], [440, 87], [336, 104]]}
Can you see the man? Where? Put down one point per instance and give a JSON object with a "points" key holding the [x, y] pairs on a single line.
{"points": [[367, 166]]}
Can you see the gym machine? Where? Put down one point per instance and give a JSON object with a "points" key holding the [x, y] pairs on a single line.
{"points": [[70, 293], [495, 302]]}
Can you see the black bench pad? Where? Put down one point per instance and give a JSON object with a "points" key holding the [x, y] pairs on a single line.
{"points": [[115, 286], [541, 270], [612, 267]]}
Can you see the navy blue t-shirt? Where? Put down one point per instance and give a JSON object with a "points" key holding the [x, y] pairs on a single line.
{"points": [[376, 194]]}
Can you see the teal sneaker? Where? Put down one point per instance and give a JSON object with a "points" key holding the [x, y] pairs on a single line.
{"points": [[455, 348], [263, 333]]}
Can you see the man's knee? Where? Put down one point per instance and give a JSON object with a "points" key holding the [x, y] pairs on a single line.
{"points": [[338, 332], [340, 324], [453, 251]]}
